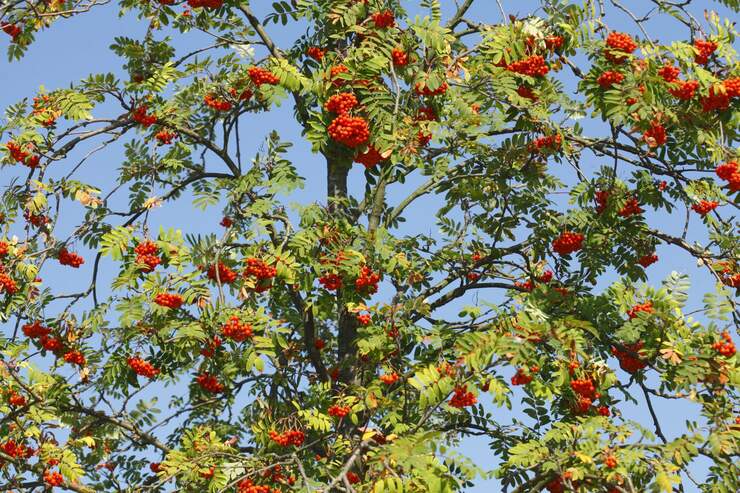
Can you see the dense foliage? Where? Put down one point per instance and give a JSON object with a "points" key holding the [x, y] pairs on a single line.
{"points": [[330, 344]]}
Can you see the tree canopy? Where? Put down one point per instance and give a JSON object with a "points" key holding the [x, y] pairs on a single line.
{"points": [[472, 266]]}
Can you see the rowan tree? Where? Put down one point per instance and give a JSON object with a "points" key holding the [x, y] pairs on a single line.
{"points": [[498, 187]]}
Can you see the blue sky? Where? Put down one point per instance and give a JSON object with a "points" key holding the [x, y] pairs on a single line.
{"points": [[77, 47]]}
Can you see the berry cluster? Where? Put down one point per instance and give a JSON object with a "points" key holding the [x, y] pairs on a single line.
{"points": [[364, 319], [647, 260], [12, 30], [288, 438], [209, 383], [248, 486], [533, 66], [142, 367], [646, 307], [369, 158], [334, 72], [22, 156], [422, 89], [338, 411], [35, 330], [146, 255], [16, 450], [586, 391], [684, 90], [567, 243], [141, 117], [609, 78], [7, 284], [69, 258], [704, 207], [554, 42], [235, 330], [548, 142], [211, 346], [218, 104], [630, 357], [655, 135], [341, 103], [367, 281], [462, 398], [221, 273], [4, 249], [618, 46], [164, 137], [15, 399], [316, 53], [669, 73], [526, 93], [53, 478], [631, 208], [259, 76], [704, 50], [389, 378], [725, 347], [352, 131], [400, 58], [169, 300], [262, 272], [331, 281], [384, 19], [521, 377], [75, 358], [731, 174], [208, 4], [610, 461]]}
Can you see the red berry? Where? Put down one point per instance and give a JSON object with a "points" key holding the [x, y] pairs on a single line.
{"points": [[568, 243], [142, 367], [609, 78], [169, 300], [462, 398], [704, 207], [259, 76]]}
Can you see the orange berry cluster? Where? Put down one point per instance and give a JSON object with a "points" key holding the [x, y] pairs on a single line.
{"points": [[53, 478], [684, 90], [730, 173], [146, 255], [69, 258], [400, 58], [169, 300], [216, 103], [316, 53], [209, 383], [521, 377], [422, 89], [369, 158], [629, 357], [704, 50], [4, 248], [551, 142], [16, 450], [235, 330], [610, 461], [263, 272], [21, 156], [367, 281], [462, 398], [335, 71], [567, 243], [288, 438], [259, 76], [241, 96], [141, 117], [533, 66], [586, 391], [631, 208], [164, 137], [142, 367], [211, 346], [604, 411], [646, 307], [669, 73], [725, 347], [341, 103], [526, 92], [331, 281], [15, 399], [647, 260], [248, 486], [655, 135], [338, 411], [384, 19], [352, 131], [554, 42], [7, 284], [609, 78], [75, 358], [619, 45], [364, 319], [221, 273], [704, 207], [35, 330], [389, 378], [208, 4]]}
